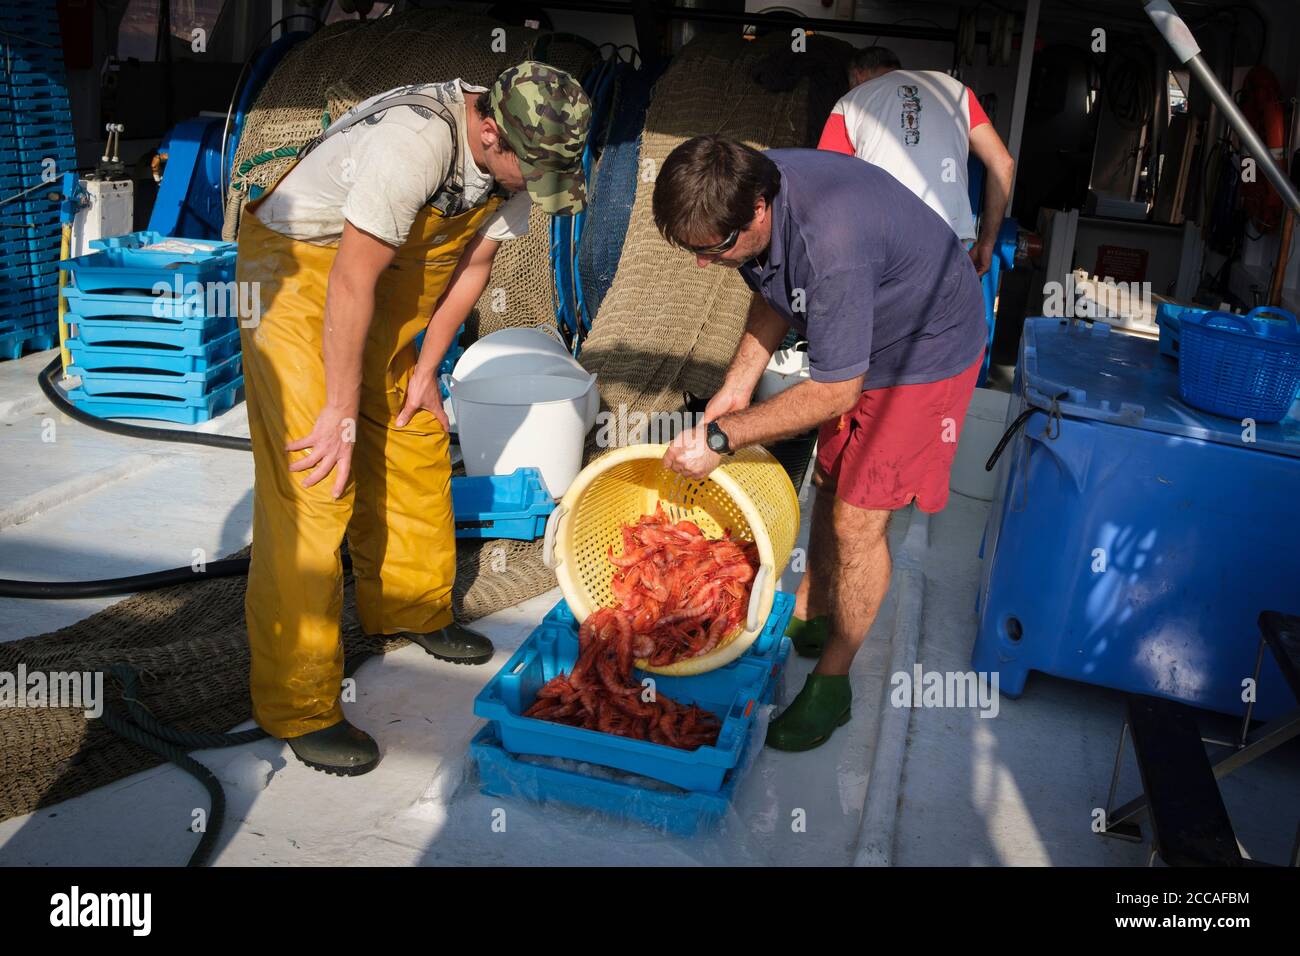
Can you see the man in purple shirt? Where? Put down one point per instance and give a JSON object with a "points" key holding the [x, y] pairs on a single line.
{"points": [[892, 310]]}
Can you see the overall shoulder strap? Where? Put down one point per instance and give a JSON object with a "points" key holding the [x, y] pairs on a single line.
{"points": [[425, 100]]}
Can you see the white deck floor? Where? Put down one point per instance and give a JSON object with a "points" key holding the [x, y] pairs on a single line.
{"points": [[1017, 789]]}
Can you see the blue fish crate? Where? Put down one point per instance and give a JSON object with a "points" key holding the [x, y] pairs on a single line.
{"points": [[770, 648], [169, 307], [20, 342], [183, 411], [682, 812], [501, 506], [154, 358], [133, 330], [731, 692], [127, 267], [156, 383], [732, 695]]}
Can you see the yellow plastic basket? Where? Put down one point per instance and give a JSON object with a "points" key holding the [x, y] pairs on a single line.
{"points": [[749, 493]]}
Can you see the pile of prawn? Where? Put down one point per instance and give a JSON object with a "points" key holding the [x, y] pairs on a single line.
{"points": [[680, 594]]}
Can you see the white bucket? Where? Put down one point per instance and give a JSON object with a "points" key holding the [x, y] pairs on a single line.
{"points": [[985, 420], [523, 421], [489, 355]]}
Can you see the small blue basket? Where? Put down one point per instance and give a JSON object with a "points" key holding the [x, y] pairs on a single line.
{"points": [[1240, 366]]}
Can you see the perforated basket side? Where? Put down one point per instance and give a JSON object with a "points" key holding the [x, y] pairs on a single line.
{"points": [[750, 496]]}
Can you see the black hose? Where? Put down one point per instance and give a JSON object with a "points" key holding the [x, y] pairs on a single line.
{"points": [[132, 584], [181, 436], [143, 729], [177, 435], [1007, 436]]}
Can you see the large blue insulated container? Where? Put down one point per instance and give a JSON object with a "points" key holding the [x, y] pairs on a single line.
{"points": [[1133, 540]]}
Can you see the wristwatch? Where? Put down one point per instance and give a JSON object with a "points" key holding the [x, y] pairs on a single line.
{"points": [[717, 439]]}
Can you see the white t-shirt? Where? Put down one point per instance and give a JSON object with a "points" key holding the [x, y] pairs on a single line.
{"points": [[380, 172], [915, 125]]}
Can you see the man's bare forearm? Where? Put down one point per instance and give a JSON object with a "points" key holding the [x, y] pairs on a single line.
{"points": [[996, 190], [792, 412], [349, 310], [764, 330], [451, 312]]}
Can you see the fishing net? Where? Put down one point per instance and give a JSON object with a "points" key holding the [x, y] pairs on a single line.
{"points": [[347, 62], [191, 649], [613, 187]]}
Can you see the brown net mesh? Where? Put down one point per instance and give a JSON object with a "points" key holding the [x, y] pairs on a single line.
{"points": [[345, 63], [190, 647]]}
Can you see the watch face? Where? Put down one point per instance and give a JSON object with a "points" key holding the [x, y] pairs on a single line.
{"points": [[717, 440]]}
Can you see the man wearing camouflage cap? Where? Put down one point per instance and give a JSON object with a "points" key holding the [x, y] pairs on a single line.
{"points": [[385, 226]]}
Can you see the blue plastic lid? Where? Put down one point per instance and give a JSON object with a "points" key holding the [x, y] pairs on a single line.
{"points": [[1124, 380]]}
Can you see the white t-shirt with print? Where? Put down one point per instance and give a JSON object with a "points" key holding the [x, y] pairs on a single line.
{"points": [[380, 172]]}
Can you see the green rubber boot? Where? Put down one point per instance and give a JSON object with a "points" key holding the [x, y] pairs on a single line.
{"points": [[454, 643], [341, 749], [809, 637], [821, 706]]}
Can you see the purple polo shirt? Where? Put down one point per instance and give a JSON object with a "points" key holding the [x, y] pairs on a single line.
{"points": [[873, 278]]}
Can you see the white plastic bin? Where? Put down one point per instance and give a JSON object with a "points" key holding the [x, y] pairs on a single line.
{"points": [[523, 421]]}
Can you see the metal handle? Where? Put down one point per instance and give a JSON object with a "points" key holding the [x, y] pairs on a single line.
{"points": [[752, 623], [548, 541]]}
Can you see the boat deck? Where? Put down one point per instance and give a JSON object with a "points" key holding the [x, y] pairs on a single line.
{"points": [[1016, 788]]}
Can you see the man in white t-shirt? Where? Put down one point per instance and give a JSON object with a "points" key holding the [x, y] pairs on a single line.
{"points": [[920, 126], [386, 226]]}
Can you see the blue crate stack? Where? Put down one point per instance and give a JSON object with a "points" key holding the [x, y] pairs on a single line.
{"points": [[172, 357], [516, 755], [36, 144]]}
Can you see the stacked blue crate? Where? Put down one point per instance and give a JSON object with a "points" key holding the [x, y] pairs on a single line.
{"points": [[678, 791], [36, 146], [154, 333]]}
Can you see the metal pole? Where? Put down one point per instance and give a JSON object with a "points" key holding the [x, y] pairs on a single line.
{"points": [[1179, 37], [1028, 37]]}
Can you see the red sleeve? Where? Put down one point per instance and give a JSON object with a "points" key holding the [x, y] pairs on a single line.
{"points": [[977, 115], [835, 136]]}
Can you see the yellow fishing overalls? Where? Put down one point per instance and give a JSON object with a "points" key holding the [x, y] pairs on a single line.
{"points": [[396, 508]]}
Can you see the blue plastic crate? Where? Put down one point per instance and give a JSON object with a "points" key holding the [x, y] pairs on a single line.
{"points": [[682, 812], [157, 383], [133, 268], [96, 305], [183, 411], [501, 506], [178, 333], [731, 693], [765, 649], [22, 341], [196, 358]]}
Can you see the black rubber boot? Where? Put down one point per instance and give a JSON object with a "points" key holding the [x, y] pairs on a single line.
{"points": [[454, 643], [341, 749]]}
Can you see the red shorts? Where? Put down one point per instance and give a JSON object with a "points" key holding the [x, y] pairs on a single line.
{"points": [[897, 444]]}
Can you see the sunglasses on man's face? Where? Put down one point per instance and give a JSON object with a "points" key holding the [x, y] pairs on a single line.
{"points": [[715, 250]]}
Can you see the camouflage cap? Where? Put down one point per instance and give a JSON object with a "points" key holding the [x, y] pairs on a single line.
{"points": [[544, 115]]}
